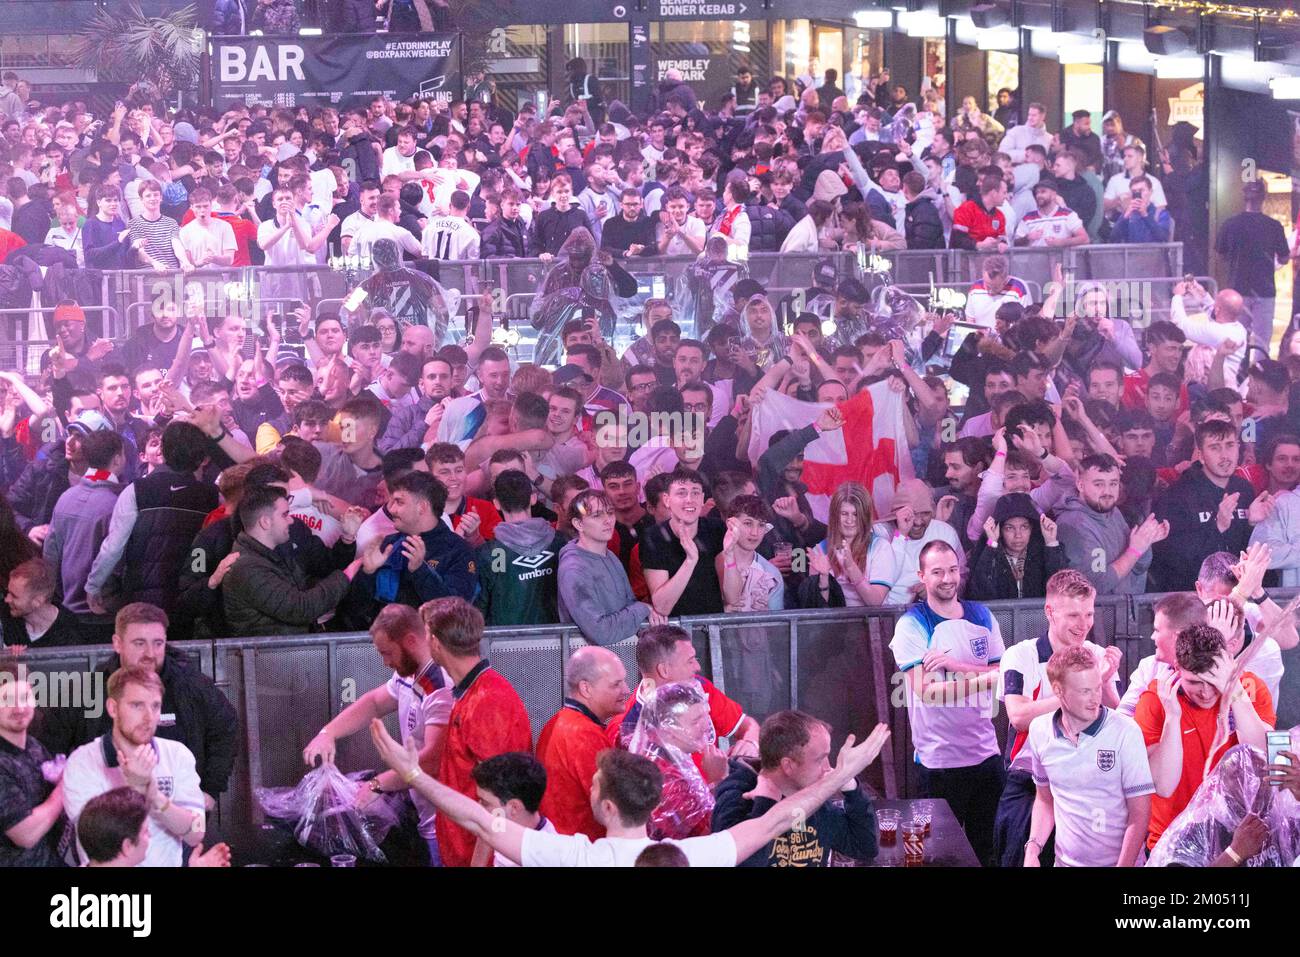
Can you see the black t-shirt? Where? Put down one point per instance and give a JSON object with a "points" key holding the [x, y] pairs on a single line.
{"points": [[660, 549], [145, 351], [1253, 243], [22, 789]]}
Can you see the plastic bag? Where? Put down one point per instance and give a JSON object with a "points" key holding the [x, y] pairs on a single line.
{"points": [[1199, 834], [327, 820]]}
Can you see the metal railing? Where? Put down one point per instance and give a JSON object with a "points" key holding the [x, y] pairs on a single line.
{"points": [[126, 293], [833, 663]]}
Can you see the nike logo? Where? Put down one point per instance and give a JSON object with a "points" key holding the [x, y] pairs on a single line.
{"points": [[177, 488], [1189, 731]]}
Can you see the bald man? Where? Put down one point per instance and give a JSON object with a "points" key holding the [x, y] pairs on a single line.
{"points": [[1213, 324], [911, 527], [595, 685]]}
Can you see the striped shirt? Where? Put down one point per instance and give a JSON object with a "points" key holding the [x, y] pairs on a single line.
{"points": [[157, 236]]}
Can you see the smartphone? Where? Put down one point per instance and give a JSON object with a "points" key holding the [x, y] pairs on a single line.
{"points": [[1277, 742], [354, 300], [957, 335]]}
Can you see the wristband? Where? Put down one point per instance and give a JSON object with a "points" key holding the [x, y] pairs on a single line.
{"points": [[1000, 454], [410, 776], [1236, 858], [1260, 598], [1131, 550], [1044, 456]]}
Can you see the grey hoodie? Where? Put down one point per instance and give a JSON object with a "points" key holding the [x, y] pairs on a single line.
{"points": [[77, 530], [528, 537], [596, 596], [1093, 540]]}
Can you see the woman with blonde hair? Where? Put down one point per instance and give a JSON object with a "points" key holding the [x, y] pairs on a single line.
{"points": [[861, 565]]}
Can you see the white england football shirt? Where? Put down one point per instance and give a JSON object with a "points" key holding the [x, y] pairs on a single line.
{"points": [[450, 237], [1091, 783], [423, 701], [949, 734], [1023, 671], [94, 769], [540, 849]]}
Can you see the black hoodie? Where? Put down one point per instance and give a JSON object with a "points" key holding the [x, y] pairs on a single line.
{"points": [[1191, 507]]}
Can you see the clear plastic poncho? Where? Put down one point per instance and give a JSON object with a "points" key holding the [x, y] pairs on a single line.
{"points": [[669, 731], [1232, 790], [577, 281], [325, 818], [703, 297], [410, 296]]}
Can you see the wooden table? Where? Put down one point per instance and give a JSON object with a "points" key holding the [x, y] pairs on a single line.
{"points": [[946, 845]]}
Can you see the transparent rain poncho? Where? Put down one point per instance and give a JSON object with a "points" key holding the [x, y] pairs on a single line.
{"points": [[325, 818], [410, 296], [581, 280], [674, 724], [1232, 790], [703, 297]]}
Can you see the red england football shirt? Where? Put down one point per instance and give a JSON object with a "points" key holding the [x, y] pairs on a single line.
{"points": [[487, 719]]}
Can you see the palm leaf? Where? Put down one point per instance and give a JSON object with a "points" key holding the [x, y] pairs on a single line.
{"points": [[127, 45]]}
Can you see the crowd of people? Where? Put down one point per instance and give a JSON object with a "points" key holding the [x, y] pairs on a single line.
{"points": [[357, 469]]}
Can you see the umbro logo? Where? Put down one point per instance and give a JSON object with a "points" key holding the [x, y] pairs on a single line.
{"points": [[533, 561]]}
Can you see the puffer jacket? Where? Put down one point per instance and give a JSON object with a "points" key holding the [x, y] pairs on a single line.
{"points": [[504, 239], [266, 593], [37, 490], [170, 508], [768, 228], [204, 721]]}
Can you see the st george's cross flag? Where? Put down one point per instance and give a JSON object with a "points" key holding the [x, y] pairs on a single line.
{"points": [[870, 449]]}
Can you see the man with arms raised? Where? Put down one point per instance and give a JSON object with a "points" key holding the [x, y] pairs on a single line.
{"points": [[624, 793], [795, 750], [1179, 717]]}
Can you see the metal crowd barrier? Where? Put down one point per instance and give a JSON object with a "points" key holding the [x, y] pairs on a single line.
{"points": [[125, 295], [833, 663]]}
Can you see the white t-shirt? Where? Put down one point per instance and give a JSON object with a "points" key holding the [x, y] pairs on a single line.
{"points": [[1036, 226], [949, 734], [500, 860], [1266, 665], [423, 700], [693, 227], [63, 239], [1091, 783], [540, 849], [324, 526], [94, 769], [371, 231], [880, 569], [450, 237], [216, 238], [351, 223], [394, 163], [905, 557], [287, 251], [1117, 186]]}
